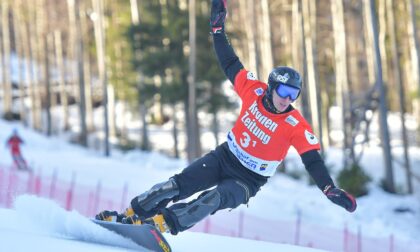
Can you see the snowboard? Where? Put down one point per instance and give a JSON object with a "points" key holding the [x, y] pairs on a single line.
{"points": [[145, 235]]}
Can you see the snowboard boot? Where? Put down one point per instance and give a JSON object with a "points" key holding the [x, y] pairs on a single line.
{"points": [[182, 216], [150, 202]]}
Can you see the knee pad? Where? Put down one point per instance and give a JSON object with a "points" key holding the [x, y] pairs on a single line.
{"points": [[148, 203]]}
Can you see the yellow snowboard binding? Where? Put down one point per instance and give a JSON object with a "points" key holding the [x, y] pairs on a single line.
{"points": [[129, 217]]}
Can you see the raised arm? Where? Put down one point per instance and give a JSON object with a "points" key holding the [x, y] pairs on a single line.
{"points": [[228, 60]]}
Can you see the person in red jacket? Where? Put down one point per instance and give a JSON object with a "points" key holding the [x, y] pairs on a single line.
{"points": [[267, 126], [13, 143]]}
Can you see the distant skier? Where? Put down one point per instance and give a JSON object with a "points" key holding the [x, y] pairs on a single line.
{"points": [[234, 172], [13, 143]]}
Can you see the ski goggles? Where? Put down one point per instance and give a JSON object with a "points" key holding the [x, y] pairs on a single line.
{"points": [[285, 91]]}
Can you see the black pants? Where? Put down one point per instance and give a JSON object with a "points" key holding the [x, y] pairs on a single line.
{"points": [[235, 183]]}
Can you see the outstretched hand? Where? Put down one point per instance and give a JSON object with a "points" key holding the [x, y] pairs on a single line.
{"points": [[112, 216], [128, 217], [218, 15], [342, 198]]}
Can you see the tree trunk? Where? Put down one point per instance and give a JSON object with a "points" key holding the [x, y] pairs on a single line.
{"points": [[31, 52], [309, 26], [266, 47], [251, 37], [370, 47], [43, 62], [37, 49], [121, 96], [79, 48], [71, 50], [6, 62], [300, 56], [135, 21], [144, 141], [62, 82], [240, 19], [399, 82], [194, 146], [18, 26], [100, 46], [175, 132], [382, 18], [297, 38], [135, 18], [341, 76], [215, 127], [87, 73], [415, 61], [111, 111], [370, 18], [47, 84]]}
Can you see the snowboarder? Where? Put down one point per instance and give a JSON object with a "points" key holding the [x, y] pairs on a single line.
{"points": [[258, 142], [13, 143]]}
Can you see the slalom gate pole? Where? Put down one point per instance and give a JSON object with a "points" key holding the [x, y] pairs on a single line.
{"points": [[97, 196], [29, 183], [298, 223], [70, 192], [53, 184], [345, 238], [124, 197], [1, 185], [11, 188], [241, 223], [38, 183], [359, 239], [391, 243]]}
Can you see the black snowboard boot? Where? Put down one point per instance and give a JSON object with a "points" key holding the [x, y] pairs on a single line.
{"points": [[182, 216], [150, 202]]}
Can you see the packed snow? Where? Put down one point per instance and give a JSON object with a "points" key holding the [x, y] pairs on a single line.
{"points": [[35, 222], [42, 224]]}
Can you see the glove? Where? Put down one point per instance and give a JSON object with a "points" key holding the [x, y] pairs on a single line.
{"points": [[132, 219], [218, 16], [341, 198], [112, 216]]}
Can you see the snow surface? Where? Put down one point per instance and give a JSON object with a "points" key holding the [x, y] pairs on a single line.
{"points": [[282, 199], [38, 224]]}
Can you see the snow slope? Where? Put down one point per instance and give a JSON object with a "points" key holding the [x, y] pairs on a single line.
{"points": [[281, 201], [41, 225]]}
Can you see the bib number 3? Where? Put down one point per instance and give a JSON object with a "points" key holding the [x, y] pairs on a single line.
{"points": [[246, 140]]}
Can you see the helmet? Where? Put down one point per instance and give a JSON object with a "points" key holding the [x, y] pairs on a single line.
{"points": [[283, 75]]}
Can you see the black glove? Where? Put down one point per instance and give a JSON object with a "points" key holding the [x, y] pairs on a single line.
{"points": [[341, 198], [112, 216], [218, 15], [128, 217], [132, 219]]}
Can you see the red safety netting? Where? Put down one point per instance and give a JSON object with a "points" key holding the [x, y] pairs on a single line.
{"points": [[88, 200]]}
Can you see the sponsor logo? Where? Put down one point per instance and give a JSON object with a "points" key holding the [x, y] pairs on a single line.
{"points": [[282, 78], [292, 121], [263, 167], [259, 91], [311, 138], [251, 76], [161, 243]]}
